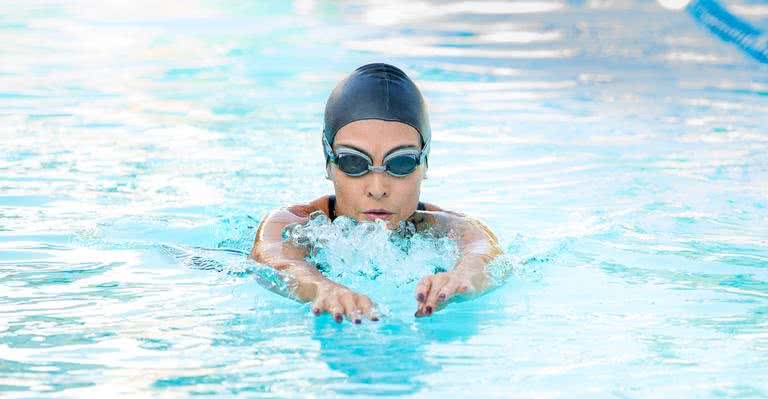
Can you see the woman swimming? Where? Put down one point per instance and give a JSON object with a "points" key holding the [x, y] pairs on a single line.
{"points": [[376, 141]]}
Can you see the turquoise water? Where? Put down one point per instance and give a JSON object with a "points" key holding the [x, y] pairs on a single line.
{"points": [[618, 149]]}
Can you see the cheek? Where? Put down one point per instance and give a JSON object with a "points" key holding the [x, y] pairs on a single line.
{"points": [[412, 183], [408, 191], [347, 189]]}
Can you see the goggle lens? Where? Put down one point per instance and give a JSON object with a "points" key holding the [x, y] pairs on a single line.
{"points": [[402, 165], [353, 165]]}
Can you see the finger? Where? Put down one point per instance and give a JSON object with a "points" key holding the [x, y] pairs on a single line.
{"points": [[317, 307], [420, 311], [335, 308], [438, 281], [448, 290], [367, 307], [350, 308], [422, 288]]}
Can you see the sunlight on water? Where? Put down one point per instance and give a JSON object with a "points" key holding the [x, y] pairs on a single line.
{"points": [[616, 148]]}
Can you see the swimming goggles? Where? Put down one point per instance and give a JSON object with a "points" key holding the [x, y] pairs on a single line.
{"points": [[399, 163]]}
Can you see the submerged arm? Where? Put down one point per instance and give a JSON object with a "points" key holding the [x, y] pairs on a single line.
{"points": [[270, 249], [305, 282], [478, 246]]}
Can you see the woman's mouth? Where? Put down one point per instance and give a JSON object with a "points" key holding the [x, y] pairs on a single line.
{"points": [[377, 214]]}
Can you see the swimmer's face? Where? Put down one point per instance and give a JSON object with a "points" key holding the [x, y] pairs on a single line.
{"points": [[377, 195]]}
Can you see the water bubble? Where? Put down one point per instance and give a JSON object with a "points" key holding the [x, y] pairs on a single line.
{"points": [[356, 253]]}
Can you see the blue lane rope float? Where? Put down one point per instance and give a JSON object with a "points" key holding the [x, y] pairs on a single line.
{"points": [[730, 28]]}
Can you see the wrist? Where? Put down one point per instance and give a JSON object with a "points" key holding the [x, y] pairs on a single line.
{"points": [[323, 286]]}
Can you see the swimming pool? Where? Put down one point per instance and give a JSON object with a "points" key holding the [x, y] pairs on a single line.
{"points": [[618, 149]]}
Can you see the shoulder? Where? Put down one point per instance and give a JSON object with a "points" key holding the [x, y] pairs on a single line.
{"points": [[269, 237], [296, 212], [306, 209], [434, 216], [430, 207]]}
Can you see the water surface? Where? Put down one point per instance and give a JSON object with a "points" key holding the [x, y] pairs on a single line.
{"points": [[617, 148]]}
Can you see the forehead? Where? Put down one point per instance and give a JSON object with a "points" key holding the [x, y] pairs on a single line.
{"points": [[375, 133]]}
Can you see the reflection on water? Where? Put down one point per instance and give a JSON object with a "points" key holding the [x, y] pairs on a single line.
{"points": [[616, 147]]}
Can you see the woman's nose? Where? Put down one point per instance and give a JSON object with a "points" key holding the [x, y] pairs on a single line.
{"points": [[377, 184]]}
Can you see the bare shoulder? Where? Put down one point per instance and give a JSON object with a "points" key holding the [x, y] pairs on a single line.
{"points": [[306, 209], [434, 216], [429, 207], [298, 212], [444, 221], [269, 234]]}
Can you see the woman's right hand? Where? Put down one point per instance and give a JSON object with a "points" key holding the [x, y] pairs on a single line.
{"points": [[341, 302]]}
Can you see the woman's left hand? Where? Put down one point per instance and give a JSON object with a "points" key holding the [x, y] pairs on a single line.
{"points": [[435, 291]]}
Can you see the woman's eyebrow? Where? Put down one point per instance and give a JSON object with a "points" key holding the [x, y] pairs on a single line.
{"points": [[400, 147], [356, 149]]}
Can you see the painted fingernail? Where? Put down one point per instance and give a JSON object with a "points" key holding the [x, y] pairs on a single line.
{"points": [[420, 297], [358, 321], [337, 317], [441, 297], [374, 319], [316, 311], [429, 310]]}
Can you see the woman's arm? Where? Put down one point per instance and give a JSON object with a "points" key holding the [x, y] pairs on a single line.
{"points": [[306, 283], [478, 246]]}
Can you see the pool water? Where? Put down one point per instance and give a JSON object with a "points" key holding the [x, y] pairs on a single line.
{"points": [[619, 150]]}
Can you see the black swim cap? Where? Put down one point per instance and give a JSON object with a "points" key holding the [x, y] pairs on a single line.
{"points": [[376, 91]]}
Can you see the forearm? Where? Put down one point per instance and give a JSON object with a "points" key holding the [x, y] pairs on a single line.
{"points": [[303, 279], [475, 268], [470, 277], [478, 247]]}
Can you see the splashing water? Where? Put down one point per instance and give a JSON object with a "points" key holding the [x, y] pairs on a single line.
{"points": [[367, 257], [357, 253], [616, 148]]}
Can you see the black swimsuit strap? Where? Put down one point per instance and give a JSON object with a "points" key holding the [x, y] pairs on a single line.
{"points": [[332, 207]]}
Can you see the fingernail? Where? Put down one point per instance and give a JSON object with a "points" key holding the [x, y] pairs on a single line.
{"points": [[375, 319], [429, 310], [358, 321], [420, 297], [417, 314], [316, 311], [337, 317], [441, 297]]}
